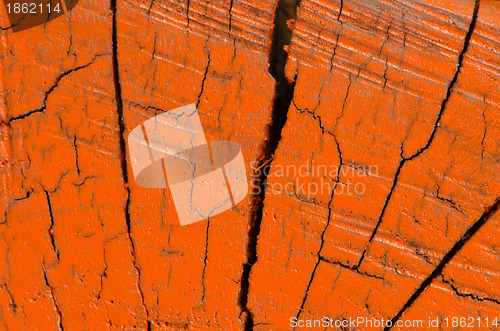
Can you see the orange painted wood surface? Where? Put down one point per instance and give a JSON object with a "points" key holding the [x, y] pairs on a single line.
{"points": [[399, 99], [416, 110]]}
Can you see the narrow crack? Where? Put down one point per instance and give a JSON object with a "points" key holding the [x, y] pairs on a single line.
{"points": [[451, 86], [198, 100], [433, 133], [340, 11], [77, 162], [53, 87], [101, 282], [488, 214], [205, 74], [485, 131], [205, 265], [281, 36], [320, 258], [384, 208], [345, 266], [467, 295], [12, 304], [123, 154], [56, 305], [51, 228]]}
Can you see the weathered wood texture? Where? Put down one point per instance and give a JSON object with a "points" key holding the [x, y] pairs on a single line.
{"points": [[384, 93], [77, 251], [190, 276], [400, 98], [469, 284], [64, 260]]}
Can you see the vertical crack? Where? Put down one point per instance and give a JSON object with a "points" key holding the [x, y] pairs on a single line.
{"points": [[320, 258], [51, 228], [281, 36], [205, 74], [230, 15], [77, 163], [434, 130], [123, 151], [187, 12], [488, 214], [56, 305], [205, 265], [198, 100]]}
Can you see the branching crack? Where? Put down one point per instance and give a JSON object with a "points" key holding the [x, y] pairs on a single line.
{"points": [[488, 214], [437, 122], [320, 258], [53, 87]]}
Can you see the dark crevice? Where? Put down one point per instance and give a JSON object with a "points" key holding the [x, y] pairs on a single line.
{"points": [[281, 36], [230, 15], [147, 108], [27, 114], [123, 155], [187, 13], [449, 202], [198, 100], [489, 212], [437, 122], [340, 11]]}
